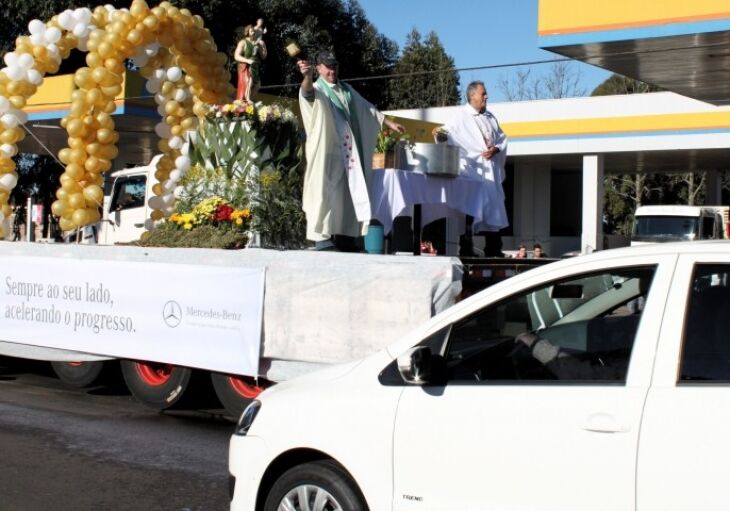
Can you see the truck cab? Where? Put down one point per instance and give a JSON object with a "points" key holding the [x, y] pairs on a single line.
{"points": [[659, 224], [125, 205]]}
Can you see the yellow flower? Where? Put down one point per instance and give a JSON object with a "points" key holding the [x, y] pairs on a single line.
{"points": [[188, 226], [239, 221]]}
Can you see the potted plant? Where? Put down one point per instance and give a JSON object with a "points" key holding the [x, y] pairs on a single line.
{"points": [[384, 156]]}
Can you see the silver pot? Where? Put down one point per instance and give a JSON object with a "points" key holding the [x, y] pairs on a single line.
{"points": [[432, 159]]}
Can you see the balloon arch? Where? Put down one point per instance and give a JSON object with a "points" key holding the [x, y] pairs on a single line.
{"points": [[175, 53]]}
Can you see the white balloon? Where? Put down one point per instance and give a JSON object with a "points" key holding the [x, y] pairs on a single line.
{"points": [[149, 224], [178, 192], [155, 201], [9, 120], [4, 104], [8, 181], [169, 185], [52, 35], [38, 40], [175, 142], [83, 45], [175, 175], [180, 95], [169, 210], [140, 61], [153, 85], [8, 150], [26, 61], [186, 146], [161, 109], [11, 59], [36, 27], [83, 15], [152, 49], [66, 19], [182, 163], [160, 74], [15, 73], [20, 115], [80, 30], [174, 74], [2, 216], [162, 130]]}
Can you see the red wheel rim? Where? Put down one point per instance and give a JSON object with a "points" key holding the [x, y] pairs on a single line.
{"points": [[154, 374], [244, 387], [74, 364]]}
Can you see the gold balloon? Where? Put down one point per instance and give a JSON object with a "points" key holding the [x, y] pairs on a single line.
{"points": [[76, 200], [134, 37], [75, 128], [7, 210], [94, 195], [75, 171], [157, 189], [62, 195], [92, 164], [66, 225], [59, 207], [105, 136], [93, 59], [80, 217], [156, 215], [77, 156]]}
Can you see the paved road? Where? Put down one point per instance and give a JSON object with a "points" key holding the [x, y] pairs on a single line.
{"points": [[68, 449]]}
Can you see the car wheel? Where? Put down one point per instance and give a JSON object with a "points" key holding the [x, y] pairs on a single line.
{"points": [[158, 386], [78, 374], [316, 486], [236, 392]]}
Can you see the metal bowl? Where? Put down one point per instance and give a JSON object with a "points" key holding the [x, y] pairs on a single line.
{"points": [[432, 159]]}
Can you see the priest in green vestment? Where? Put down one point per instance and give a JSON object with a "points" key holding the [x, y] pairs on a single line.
{"points": [[342, 128]]}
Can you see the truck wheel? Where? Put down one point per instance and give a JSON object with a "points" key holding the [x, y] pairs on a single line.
{"points": [[78, 374], [236, 392], [156, 385], [324, 482]]}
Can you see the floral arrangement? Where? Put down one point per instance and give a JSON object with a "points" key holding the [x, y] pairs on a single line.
{"points": [[214, 211], [241, 110]]}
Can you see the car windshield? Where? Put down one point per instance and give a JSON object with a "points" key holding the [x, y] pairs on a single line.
{"points": [[667, 227]]}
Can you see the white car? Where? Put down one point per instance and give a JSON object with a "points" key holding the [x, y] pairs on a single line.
{"points": [[598, 382]]}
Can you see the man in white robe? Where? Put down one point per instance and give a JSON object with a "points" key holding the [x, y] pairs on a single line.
{"points": [[342, 129], [483, 147]]}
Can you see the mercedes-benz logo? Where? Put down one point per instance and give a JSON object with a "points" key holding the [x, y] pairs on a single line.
{"points": [[172, 314]]}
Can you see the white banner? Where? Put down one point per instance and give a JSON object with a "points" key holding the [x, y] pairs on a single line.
{"points": [[208, 317]]}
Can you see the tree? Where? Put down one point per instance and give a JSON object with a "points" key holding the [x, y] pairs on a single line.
{"points": [[619, 84], [430, 78], [338, 25], [562, 81]]}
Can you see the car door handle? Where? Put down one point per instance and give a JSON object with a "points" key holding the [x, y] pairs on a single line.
{"points": [[139, 224], [604, 423]]}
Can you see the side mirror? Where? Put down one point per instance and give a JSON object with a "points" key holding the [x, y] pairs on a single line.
{"points": [[414, 365]]}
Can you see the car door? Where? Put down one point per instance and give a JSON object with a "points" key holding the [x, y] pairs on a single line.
{"points": [[684, 449], [506, 432]]}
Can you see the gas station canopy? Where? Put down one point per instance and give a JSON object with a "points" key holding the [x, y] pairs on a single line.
{"points": [[678, 45]]}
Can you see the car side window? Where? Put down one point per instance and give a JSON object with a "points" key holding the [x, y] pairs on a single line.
{"points": [[571, 330], [129, 193], [706, 340]]}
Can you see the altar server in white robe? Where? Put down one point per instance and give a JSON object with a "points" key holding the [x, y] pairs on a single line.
{"points": [[483, 147], [342, 129]]}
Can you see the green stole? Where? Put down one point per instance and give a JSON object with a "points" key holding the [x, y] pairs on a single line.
{"points": [[350, 112]]}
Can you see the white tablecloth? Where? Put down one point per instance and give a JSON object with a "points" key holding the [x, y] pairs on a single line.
{"points": [[395, 192]]}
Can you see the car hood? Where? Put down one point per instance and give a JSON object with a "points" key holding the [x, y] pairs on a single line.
{"points": [[327, 374]]}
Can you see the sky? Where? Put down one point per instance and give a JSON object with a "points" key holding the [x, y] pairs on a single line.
{"points": [[476, 33]]}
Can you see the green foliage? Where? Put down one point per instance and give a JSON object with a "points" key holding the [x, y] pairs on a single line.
{"points": [[619, 84], [276, 208], [167, 234], [424, 90]]}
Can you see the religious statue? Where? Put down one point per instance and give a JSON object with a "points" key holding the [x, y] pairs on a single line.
{"points": [[250, 51]]}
